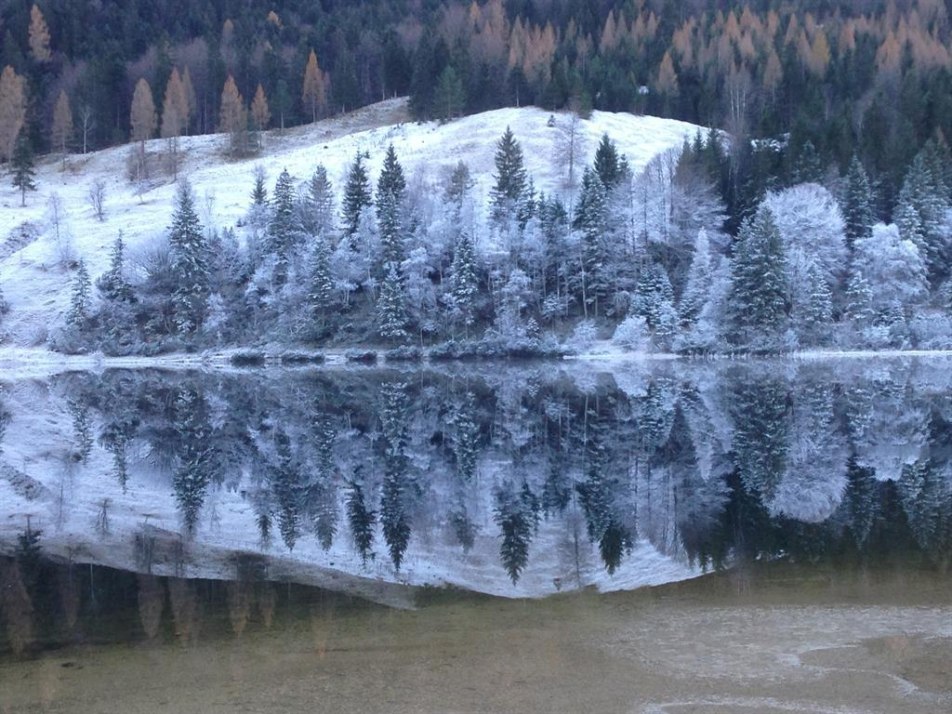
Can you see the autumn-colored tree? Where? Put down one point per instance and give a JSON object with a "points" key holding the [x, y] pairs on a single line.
{"points": [[62, 130], [314, 93], [191, 99], [174, 107], [39, 36], [667, 77], [233, 117], [12, 110], [142, 116], [260, 113]]}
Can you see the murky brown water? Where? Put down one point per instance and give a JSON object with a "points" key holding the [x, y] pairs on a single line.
{"points": [[772, 641]]}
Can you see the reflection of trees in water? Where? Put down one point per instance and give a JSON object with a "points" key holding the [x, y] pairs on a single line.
{"points": [[16, 606], [707, 467], [151, 604]]}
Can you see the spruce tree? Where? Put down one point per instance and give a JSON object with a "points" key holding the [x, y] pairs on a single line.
{"points": [[320, 291], [391, 192], [700, 279], [396, 484], [80, 302], [920, 214], [195, 464], [357, 196], [591, 219], [464, 287], [857, 203], [607, 164], [259, 194], [21, 164], [815, 316], [391, 307], [360, 517], [510, 178], [517, 515], [281, 228], [189, 264], [112, 284], [117, 321], [757, 296], [319, 204]]}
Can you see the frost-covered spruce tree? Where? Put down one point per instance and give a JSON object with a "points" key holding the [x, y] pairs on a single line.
{"points": [[815, 316], [81, 300], [591, 220], [757, 298], [320, 295], [464, 286], [188, 253], [510, 179], [357, 197], [700, 278], [391, 194], [924, 196], [391, 307], [193, 474], [259, 194], [118, 296], [654, 296], [318, 206], [857, 203], [281, 229]]}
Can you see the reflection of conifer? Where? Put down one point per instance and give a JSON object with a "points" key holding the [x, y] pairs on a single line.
{"points": [[284, 484], [466, 437], [360, 518], [927, 500], [82, 429], [761, 419], [323, 492], [396, 486], [860, 500], [193, 474], [557, 490], [463, 527], [517, 515]]}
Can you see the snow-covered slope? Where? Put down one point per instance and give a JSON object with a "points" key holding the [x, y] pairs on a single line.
{"points": [[33, 272]]}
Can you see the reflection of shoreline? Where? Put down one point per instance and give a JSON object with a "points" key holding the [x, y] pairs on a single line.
{"points": [[25, 362]]}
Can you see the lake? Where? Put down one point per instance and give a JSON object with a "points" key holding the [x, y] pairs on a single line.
{"points": [[670, 536]]}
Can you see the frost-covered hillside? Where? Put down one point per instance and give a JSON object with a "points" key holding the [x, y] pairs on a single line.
{"points": [[58, 225]]}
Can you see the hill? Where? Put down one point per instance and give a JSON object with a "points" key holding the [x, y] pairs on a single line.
{"points": [[41, 243]]}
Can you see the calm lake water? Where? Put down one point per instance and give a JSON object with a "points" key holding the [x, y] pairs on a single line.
{"points": [[672, 537]]}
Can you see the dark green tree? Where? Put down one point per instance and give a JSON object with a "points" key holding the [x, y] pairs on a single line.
{"points": [[510, 178], [357, 196], [857, 203], [281, 229], [607, 163], [21, 166]]}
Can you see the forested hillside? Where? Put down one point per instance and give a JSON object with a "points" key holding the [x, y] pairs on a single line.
{"points": [[824, 78]]}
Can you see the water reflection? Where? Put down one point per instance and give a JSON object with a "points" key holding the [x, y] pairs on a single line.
{"points": [[515, 481]]}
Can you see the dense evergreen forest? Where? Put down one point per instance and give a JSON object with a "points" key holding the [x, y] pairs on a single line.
{"points": [[837, 78]]}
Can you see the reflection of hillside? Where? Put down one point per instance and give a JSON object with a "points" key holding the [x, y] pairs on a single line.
{"points": [[522, 481]]}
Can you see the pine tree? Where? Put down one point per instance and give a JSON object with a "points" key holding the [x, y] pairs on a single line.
{"points": [[357, 197], [591, 219], [449, 101], [112, 284], [319, 204], [857, 203], [259, 194], [320, 291], [22, 165], [815, 317], [757, 297], [391, 191], [510, 178], [80, 301], [391, 307], [189, 264], [700, 279], [464, 287], [607, 163], [281, 230]]}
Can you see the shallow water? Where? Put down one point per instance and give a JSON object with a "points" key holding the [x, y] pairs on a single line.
{"points": [[755, 537]]}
